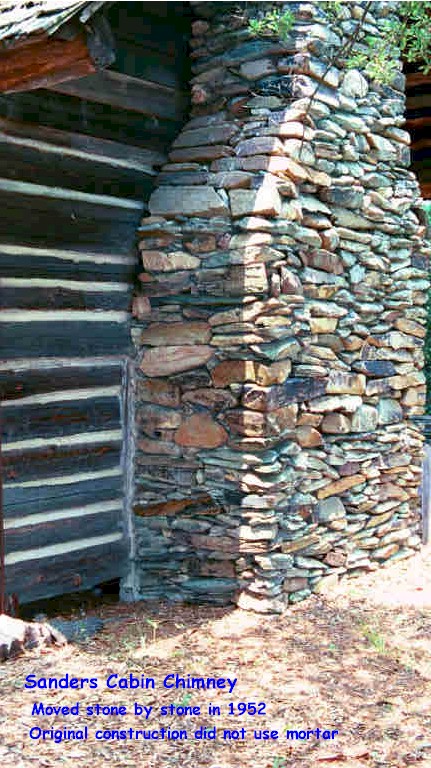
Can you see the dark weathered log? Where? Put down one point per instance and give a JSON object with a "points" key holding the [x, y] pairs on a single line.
{"points": [[68, 416], [15, 384], [72, 144], [128, 93], [62, 531], [77, 569], [60, 337], [74, 491]]}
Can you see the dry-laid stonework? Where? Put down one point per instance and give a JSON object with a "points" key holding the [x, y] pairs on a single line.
{"points": [[280, 322]]}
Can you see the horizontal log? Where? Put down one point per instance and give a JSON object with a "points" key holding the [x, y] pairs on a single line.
{"points": [[426, 191], [65, 223], [125, 92], [77, 145], [17, 260], [70, 114], [16, 384], [50, 462], [414, 79], [25, 520], [44, 61], [73, 196], [83, 174], [63, 338], [62, 491], [61, 531], [59, 419], [52, 297], [82, 568]]}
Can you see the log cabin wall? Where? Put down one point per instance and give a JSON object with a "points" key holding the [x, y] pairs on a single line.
{"points": [[418, 114], [76, 168]]}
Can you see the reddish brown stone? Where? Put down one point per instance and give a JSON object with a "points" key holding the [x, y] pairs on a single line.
{"points": [[201, 244], [210, 398], [158, 391], [141, 307], [158, 447], [176, 333], [158, 261], [335, 424], [203, 504], [308, 437], [163, 361], [340, 485], [201, 431], [337, 558]]}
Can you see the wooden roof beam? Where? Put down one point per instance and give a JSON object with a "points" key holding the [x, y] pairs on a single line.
{"points": [[40, 61]]}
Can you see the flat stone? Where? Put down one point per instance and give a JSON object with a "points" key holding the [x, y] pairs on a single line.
{"points": [[323, 324], [302, 543], [246, 280], [187, 201], [330, 509], [294, 584], [254, 70], [201, 154], [242, 371], [212, 134], [248, 602], [163, 361], [335, 424], [346, 403], [389, 411], [261, 145], [279, 166], [158, 391], [153, 418], [410, 327], [158, 261], [326, 261], [354, 84], [336, 558], [332, 489], [292, 390], [201, 431], [264, 201], [279, 350], [232, 179], [308, 437], [346, 197], [216, 399], [170, 334], [375, 368], [365, 419], [382, 553], [345, 384]]}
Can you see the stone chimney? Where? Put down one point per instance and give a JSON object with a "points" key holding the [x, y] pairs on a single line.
{"points": [[280, 321]]}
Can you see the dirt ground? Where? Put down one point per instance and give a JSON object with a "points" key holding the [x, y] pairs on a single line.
{"points": [[357, 662]]}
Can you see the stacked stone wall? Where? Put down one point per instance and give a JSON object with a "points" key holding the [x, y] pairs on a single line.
{"points": [[280, 322]]}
